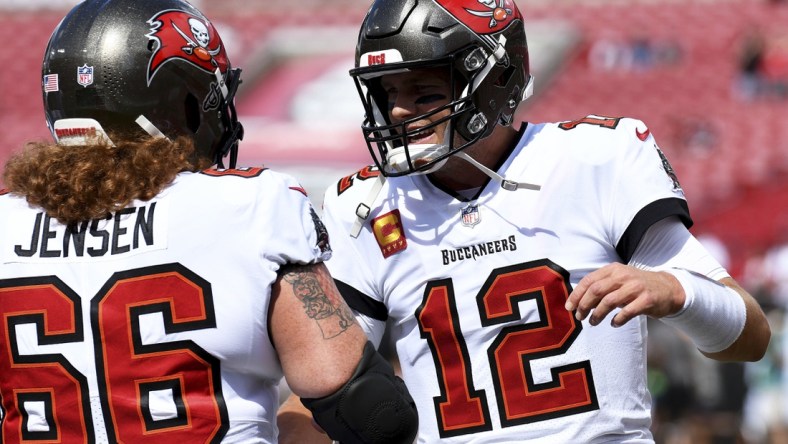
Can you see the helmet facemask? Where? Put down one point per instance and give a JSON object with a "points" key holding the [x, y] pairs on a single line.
{"points": [[474, 75], [389, 142], [233, 130], [483, 46]]}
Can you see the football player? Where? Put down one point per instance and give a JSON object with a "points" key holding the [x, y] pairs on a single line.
{"points": [[146, 297], [516, 264]]}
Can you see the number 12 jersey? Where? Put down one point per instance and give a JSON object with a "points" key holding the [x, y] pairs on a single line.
{"points": [[474, 289]]}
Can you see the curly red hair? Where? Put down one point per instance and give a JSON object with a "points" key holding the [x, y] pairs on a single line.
{"points": [[76, 183]]}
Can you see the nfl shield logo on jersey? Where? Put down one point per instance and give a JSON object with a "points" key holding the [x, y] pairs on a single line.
{"points": [[85, 75], [470, 215]]}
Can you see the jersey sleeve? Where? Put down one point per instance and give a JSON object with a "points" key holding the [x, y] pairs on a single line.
{"points": [[645, 188], [668, 244], [293, 230], [349, 266]]}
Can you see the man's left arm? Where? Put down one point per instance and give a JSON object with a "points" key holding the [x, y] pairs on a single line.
{"points": [[752, 342], [670, 278]]}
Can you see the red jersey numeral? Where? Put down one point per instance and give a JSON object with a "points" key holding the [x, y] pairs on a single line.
{"points": [[460, 408], [245, 172], [130, 371], [47, 380], [365, 173], [604, 122]]}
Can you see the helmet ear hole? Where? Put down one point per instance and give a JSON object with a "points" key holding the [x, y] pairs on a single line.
{"points": [[192, 113]]}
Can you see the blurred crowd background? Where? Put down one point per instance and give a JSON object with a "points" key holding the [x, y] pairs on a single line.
{"points": [[709, 77]]}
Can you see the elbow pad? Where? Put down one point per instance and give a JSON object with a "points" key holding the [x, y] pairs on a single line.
{"points": [[374, 406]]}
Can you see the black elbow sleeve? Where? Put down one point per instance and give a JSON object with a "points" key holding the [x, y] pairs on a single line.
{"points": [[374, 406]]}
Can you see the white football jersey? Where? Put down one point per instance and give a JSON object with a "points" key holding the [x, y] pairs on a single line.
{"points": [[475, 288], [151, 325]]}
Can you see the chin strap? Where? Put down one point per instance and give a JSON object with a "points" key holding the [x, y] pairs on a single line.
{"points": [[149, 127], [508, 185], [365, 207]]}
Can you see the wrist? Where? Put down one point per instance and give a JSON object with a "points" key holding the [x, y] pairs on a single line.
{"points": [[712, 315], [679, 298]]}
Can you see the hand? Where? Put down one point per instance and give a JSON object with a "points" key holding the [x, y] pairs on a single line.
{"points": [[636, 292]]}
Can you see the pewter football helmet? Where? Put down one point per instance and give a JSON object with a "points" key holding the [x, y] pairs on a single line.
{"points": [[481, 43], [141, 66]]}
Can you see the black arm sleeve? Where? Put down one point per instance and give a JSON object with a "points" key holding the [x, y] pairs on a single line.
{"points": [[373, 407], [648, 216]]}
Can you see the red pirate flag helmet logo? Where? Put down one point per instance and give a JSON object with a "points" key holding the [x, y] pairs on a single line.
{"points": [[186, 37], [482, 16]]}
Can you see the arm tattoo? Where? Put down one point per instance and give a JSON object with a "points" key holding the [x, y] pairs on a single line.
{"points": [[329, 311]]}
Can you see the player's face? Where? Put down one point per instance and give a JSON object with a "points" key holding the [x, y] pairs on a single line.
{"points": [[414, 93]]}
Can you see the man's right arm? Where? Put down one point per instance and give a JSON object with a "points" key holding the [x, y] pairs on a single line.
{"points": [[350, 389]]}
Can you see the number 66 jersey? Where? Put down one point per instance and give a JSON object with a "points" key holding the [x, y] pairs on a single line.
{"points": [[474, 288], [150, 326]]}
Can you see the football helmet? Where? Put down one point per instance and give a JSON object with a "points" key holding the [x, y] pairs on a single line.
{"points": [[481, 43], [131, 67]]}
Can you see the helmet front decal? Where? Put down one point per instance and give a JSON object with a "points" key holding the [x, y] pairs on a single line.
{"points": [[482, 16], [380, 58], [182, 36]]}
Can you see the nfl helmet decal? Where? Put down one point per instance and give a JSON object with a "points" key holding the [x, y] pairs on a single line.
{"points": [[182, 36], [482, 16], [85, 75]]}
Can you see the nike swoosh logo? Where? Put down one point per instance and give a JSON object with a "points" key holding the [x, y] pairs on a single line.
{"points": [[644, 135]]}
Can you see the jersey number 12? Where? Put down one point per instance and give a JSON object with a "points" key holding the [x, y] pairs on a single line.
{"points": [[462, 409]]}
